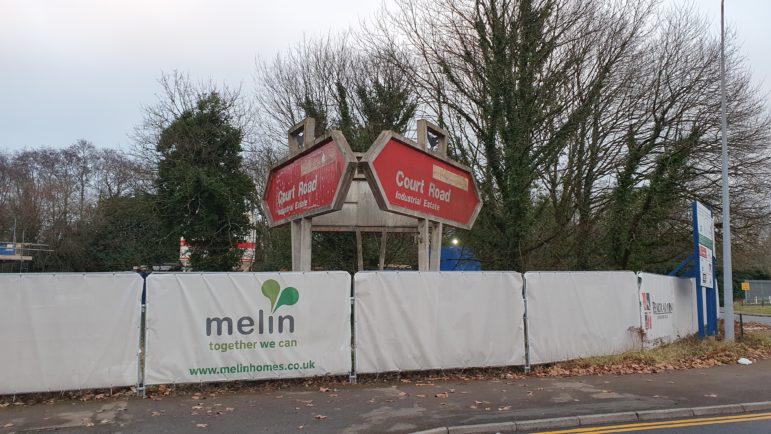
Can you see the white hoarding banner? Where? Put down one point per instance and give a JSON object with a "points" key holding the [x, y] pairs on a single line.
{"points": [[581, 314], [706, 234], [667, 308], [408, 321], [68, 331], [238, 326]]}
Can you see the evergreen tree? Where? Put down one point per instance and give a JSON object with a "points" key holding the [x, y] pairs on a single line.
{"points": [[203, 193]]}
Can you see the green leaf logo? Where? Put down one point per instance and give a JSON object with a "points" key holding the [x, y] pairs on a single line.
{"points": [[289, 296], [272, 290]]}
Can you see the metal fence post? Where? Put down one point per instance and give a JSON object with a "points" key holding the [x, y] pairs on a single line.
{"points": [[525, 319], [141, 391], [352, 376]]}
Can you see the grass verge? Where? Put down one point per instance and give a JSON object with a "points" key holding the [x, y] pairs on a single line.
{"points": [[752, 309], [691, 352]]}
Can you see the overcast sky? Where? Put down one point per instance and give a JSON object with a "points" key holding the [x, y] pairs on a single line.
{"points": [[72, 69]]}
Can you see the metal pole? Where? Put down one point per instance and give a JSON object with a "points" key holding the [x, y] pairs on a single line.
{"points": [[728, 287]]}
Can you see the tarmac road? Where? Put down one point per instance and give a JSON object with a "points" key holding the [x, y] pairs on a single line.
{"points": [[752, 423], [762, 319], [399, 407], [754, 318]]}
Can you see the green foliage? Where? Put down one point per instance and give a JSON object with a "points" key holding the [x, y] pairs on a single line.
{"points": [[385, 105], [203, 193], [637, 212], [127, 232]]}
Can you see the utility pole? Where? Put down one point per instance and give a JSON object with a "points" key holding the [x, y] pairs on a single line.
{"points": [[728, 287]]}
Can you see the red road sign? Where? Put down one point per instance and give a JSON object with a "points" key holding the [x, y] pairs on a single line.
{"points": [[310, 183], [408, 180]]}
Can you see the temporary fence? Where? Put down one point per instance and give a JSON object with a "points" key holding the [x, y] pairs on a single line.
{"points": [[68, 331], [75, 331], [245, 326], [581, 314], [407, 321], [667, 308]]}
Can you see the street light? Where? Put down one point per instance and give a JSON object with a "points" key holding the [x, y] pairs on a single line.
{"points": [[728, 287]]}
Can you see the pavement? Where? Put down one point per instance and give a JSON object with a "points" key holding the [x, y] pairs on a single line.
{"points": [[395, 406]]}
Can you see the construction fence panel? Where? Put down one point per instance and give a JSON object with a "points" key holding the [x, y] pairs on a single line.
{"points": [[667, 308], [407, 321], [572, 315], [68, 331], [204, 327]]}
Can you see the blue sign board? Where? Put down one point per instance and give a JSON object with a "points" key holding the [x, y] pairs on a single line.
{"points": [[704, 266]]}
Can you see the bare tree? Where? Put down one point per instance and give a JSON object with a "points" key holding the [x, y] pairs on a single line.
{"points": [[179, 93], [590, 123]]}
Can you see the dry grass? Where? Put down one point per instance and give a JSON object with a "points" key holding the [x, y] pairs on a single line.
{"points": [[684, 354]]}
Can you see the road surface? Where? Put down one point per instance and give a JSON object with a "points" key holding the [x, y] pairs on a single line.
{"points": [[752, 423]]}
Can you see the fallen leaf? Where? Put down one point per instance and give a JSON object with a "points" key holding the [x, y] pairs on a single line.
{"points": [[155, 413], [320, 417], [711, 395], [504, 408], [442, 395], [8, 425], [201, 425], [402, 393], [324, 389], [421, 396], [229, 408]]}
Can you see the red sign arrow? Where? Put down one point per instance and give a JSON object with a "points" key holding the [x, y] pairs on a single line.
{"points": [[408, 180], [310, 183]]}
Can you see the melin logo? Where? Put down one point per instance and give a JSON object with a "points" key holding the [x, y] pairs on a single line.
{"points": [[286, 297], [261, 324]]}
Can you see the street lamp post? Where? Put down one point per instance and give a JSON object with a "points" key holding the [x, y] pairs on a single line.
{"points": [[728, 290]]}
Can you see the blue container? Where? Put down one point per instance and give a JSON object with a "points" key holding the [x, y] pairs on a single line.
{"points": [[455, 258]]}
